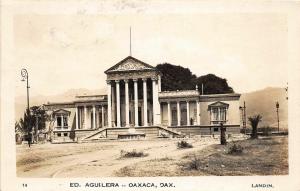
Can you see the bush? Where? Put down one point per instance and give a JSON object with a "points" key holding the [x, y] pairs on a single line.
{"points": [[194, 164], [131, 154], [235, 149], [183, 145]]}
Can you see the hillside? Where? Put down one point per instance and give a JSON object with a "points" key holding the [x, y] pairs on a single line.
{"points": [[263, 102]]}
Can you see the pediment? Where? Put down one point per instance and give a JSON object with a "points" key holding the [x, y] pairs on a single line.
{"points": [[62, 111], [130, 64], [218, 104]]}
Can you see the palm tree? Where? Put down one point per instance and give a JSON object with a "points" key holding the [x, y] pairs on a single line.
{"points": [[254, 120]]}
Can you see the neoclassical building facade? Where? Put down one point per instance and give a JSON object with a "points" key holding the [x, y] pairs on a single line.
{"points": [[135, 107]]}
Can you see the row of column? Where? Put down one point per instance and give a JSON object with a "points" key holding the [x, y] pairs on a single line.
{"points": [[179, 113], [156, 111], [85, 116]]}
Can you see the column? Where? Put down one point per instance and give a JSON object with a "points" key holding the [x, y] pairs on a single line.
{"points": [[145, 102], [94, 117], [77, 117], [156, 104], [198, 112], [113, 106], [62, 121], [219, 114], [102, 116], [136, 113], [210, 112], [118, 104], [108, 103], [159, 83], [169, 114], [188, 113], [126, 103], [178, 113], [85, 117]]}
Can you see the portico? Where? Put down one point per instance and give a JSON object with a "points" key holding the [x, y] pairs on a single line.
{"points": [[133, 88]]}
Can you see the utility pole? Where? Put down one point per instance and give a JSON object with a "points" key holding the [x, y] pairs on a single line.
{"points": [[277, 108]]}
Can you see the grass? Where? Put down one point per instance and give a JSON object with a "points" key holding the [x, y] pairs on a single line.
{"points": [[258, 157]]}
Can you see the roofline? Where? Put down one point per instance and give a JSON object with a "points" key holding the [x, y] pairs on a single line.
{"points": [[220, 95], [97, 95], [59, 103], [130, 57]]}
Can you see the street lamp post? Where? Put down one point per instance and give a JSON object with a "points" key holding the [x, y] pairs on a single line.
{"points": [[24, 75], [243, 110], [277, 107]]}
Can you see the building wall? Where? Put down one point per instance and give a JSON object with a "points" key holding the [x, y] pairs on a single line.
{"points": [[233, 113]]}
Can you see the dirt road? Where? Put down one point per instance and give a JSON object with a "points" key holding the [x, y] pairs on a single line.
{"points": [[101, 159]]}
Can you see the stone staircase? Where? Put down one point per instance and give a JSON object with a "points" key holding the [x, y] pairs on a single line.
{"points": [[170, 131], [94, 135], [101, 134]]}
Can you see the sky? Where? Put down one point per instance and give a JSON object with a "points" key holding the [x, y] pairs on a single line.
{"points": [[71, 51]]}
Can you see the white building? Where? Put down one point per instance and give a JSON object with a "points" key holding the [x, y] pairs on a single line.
{"points": [[135, 106]]}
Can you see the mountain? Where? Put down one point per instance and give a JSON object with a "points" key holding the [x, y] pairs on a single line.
{"points": [[263, 102]]}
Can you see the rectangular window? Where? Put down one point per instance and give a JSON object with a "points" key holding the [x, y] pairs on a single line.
{"points": [[215, 113], [222, 114], [58, 120], [65, 134], [216, 129], [59, 134], [65, 121], [218, 114]]}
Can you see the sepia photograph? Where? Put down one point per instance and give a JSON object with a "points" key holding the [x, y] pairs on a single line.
{"points": [[132, 89]]}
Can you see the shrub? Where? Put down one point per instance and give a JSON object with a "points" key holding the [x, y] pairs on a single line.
{"points": [[131, 154], [183, 145], [194, 164], [235, 149]]}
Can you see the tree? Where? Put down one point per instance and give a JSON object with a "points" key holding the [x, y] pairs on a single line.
{"points": [[40, 116], [176, 77], [180, 78], [27, 122], [213, 84], [35, 117], [254, 120]]}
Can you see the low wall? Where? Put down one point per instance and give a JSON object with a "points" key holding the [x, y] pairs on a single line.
{"points": [[70, 135], [205, 130]]}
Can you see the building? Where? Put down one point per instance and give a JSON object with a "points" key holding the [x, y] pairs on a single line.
{"points": [[135, 107]]}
